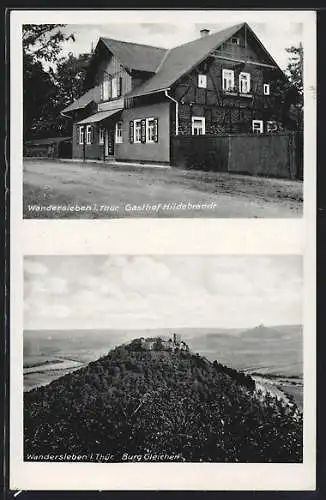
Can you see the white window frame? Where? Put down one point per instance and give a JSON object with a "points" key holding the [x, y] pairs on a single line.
{"points": [[271, 126], [236, 40], [203, 125], [101, 135], [261, 126], [244, 76], [105, 89], [114, 84], [228, 76], [148, 128], [266, 89], [137, 127], [81, 134], [202, 81], [89, 134], [118, 133]]}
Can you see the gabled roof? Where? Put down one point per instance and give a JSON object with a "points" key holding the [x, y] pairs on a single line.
{"points": [[83, 101], [135, 55], [182, 59], [166, 65]]}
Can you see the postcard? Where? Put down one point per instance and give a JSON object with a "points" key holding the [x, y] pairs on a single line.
{"points": [[162, 302]]}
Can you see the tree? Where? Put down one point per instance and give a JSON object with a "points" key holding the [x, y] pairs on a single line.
{"points": [[70, 77], [42, 45], [294, 72], [294, 69], [43, 41], [38, 96]]}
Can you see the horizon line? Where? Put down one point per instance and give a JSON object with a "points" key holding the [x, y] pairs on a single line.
{"points": [[169, 328]]}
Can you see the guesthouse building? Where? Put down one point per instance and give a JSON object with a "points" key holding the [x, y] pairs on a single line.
{"points": [[139, 97]]}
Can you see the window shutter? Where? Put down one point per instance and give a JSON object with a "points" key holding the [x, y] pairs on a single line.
{"points": [[102, 93], [109, 88], [143, 131], [156, 130], [131, 132], [91, 134], [119, 86]]}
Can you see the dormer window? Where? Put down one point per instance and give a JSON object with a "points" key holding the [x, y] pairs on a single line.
{"points": [[244, 83], [116, 87], [202, 81], [106, 89], [228, 79], [266, 89]]}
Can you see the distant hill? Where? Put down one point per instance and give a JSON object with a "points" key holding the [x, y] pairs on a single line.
{"points": [[262, 332], [145, 403], [276, 350]]}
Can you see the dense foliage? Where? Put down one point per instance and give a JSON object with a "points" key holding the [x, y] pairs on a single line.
{"points": [[141, 401], [293, 89], [51, 80]]}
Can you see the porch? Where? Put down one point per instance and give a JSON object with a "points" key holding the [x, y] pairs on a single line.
{"points": [[97, 135]]}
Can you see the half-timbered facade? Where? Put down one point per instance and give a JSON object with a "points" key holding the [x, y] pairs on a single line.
{"points": [[140, 96]]}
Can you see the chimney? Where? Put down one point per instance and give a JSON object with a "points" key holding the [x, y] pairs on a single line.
{"points": [[204, 32]]}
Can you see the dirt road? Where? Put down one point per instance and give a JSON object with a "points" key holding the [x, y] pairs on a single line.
{"points": [[63, 189]]}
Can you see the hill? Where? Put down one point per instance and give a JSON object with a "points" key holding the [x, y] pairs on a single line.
{"points": [[274, 350], [139, 403]]}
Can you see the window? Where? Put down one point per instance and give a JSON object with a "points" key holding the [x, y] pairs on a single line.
{"points": [[202, 81], [137, 131], [235, 41], [118, 132], [198, 125], [271, 126], [244, 83], [106, 89], [101, 135], [150, 130], [89, 134], [116, 86], [81, 134], [257, 126], [266, 89], [228, 79], [143, 130]]}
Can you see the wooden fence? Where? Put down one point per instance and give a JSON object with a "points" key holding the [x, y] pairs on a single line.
{"points": [[55, 147], [272, 155]]}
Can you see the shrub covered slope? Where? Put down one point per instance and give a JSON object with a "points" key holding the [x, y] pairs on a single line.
{"points": [[139, 401]]}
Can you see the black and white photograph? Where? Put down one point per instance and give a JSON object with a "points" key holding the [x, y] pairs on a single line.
{"points": [[163, 358], [163, 119], [162, 240]]}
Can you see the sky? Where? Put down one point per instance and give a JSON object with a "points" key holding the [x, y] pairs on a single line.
{"points": [[135, 292], [274, 36]]}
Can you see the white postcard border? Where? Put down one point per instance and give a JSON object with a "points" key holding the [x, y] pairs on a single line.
{"points": [[219, 236]]}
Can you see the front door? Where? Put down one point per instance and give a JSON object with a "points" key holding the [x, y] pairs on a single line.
{"points": [[109, 143]]}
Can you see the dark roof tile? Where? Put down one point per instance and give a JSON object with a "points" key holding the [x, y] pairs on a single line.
{"points": [[182, 59], [91, 95], [135, 55]]}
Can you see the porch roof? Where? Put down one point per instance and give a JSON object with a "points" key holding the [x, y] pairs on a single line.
{"points": [[100, 116]]}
